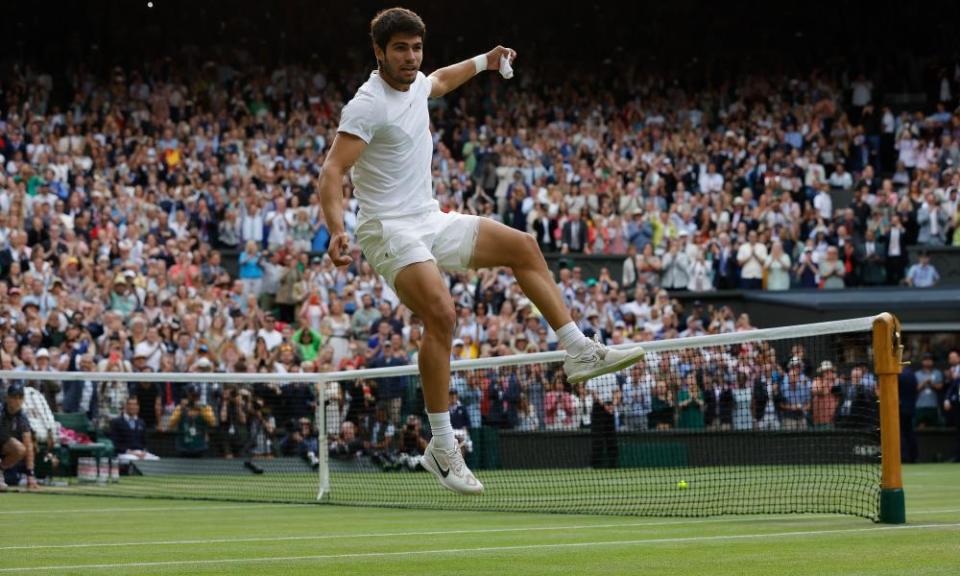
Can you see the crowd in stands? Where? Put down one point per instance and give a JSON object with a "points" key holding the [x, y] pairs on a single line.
{"points": [[120, 202]]}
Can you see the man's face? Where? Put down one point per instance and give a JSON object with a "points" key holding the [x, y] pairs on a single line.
{"points": [[14, 403], [133, 408], [400, 62]]}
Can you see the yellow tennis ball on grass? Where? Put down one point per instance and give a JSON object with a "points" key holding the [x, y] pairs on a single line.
{"points": [[682, 485]]}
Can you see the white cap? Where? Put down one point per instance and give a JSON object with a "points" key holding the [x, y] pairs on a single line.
{"points": [[43, 353], [203, 362]]}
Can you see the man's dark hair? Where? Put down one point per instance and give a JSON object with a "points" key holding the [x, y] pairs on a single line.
{"points": [[395, 21]]}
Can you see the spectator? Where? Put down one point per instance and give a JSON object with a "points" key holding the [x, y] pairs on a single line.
{"points": [[951, 405], [411, 443], [908, 392], [262, 427], [873, 255], [751, 256], [796, 396], [825, 390], [460, 422], [933, 221], [930, 389], [392, 389], [923, 274], [676, 268], [859, 408], [347, 445], [234, 410], [44, 427], [950, 378], [574, 237], [776, 268], [743, 402], [661, 408], [307, 342], [129, 434], [689, 405], [603, 431], [251, 271], [831, 270], [896, 250], [192, 420]]}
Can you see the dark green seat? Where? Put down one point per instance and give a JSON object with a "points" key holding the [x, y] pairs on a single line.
{"points": [[102, 447]]}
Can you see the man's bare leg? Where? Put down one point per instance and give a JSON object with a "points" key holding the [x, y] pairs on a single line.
{"points": [[500, 245], [422, 289]]}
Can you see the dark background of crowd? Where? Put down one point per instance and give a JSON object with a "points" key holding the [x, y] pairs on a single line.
{"points": [[708, 144]]}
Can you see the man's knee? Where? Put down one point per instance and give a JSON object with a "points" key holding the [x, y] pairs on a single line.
{"points": [[529, 249], [14, 449], [441, 318]]}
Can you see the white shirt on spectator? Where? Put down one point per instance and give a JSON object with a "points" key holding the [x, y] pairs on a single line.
{"points": [[823, 203], [38, 413], [272, 337], [842, 181], [815, 174], [251, 226], [710, 183], [280, 224], [751, 257]]}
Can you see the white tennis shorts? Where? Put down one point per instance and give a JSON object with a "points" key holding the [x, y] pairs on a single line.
{"points": [[392, 244]]}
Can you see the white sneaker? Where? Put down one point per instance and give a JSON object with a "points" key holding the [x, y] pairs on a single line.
{"points": [[450, 469], [596, 359]]}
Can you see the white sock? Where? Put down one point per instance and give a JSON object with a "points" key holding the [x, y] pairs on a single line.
{"points": [[442, 430], [571, 338]]}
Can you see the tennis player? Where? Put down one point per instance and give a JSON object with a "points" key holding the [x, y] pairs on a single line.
{"points": [[384, 140]]}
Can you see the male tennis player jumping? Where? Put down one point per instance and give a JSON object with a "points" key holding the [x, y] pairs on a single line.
{"points": [[384, 139]]}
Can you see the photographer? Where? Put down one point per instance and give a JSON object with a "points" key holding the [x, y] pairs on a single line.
{"points": [[234, 407], [192, 421], [411, 443], [262, 428], [302, 440], [346, 445]]}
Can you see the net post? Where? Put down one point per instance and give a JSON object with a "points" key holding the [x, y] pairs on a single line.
{"points": [[887, 355], [321, 420]]}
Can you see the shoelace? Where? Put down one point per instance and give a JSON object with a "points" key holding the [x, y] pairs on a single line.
{"points": [[455, 461], [595, 352]]}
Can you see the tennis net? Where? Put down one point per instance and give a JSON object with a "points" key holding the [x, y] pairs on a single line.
{"points": [[782, 420]]}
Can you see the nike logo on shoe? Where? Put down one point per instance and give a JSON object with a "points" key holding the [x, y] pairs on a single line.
{"points": [[443, 472]]}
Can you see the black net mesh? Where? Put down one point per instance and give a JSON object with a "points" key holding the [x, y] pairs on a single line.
{"points": [[763, 427], [785, 426]]}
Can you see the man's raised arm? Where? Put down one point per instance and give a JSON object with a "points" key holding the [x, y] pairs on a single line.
{"points": [[450, 78]]}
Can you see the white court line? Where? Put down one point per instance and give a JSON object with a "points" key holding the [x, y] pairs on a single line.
{"points": [[185, 508], [943, 511], [430, 533], [475, 550], [442, 532]]}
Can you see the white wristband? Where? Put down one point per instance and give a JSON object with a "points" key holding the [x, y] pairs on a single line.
{"points": [[480, 63]]}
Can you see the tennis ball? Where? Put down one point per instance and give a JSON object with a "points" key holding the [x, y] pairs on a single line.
{"points": [[682, 485]]}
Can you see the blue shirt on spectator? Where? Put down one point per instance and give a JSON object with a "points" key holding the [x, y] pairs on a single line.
{"points": [[250, 266], [923, 275]]}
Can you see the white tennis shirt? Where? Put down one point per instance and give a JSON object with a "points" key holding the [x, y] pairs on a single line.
{"points": [[392, 175]]}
